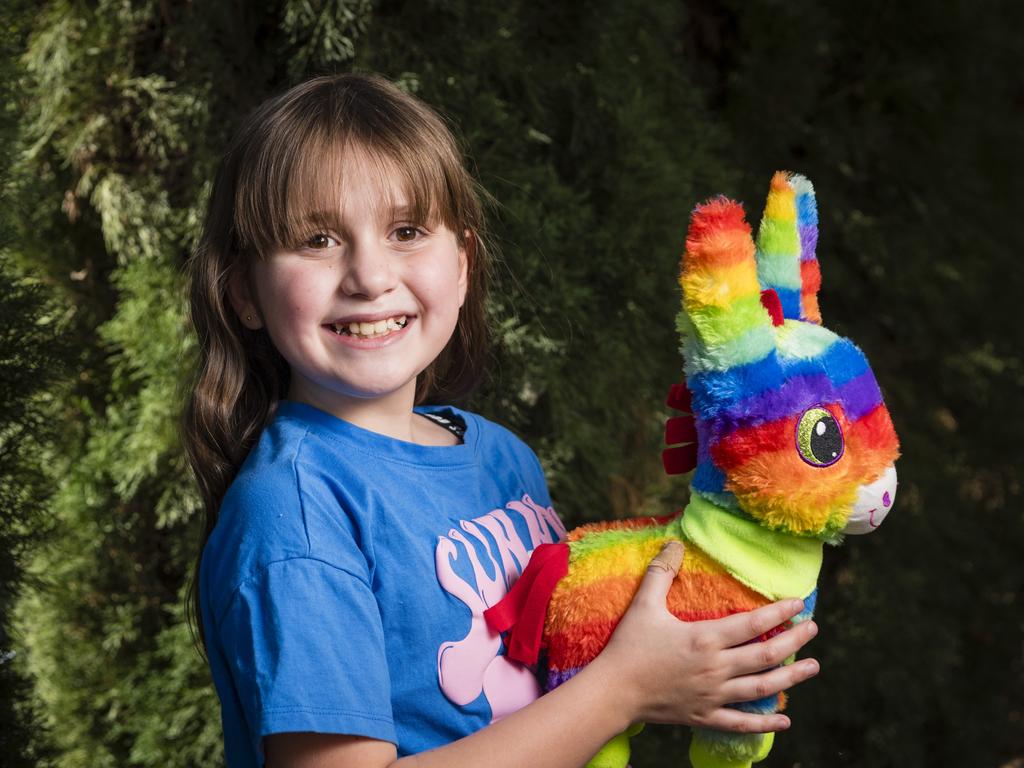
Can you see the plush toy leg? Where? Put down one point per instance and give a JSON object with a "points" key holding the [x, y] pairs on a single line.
{"points": [[734, 751], [615, 754]]}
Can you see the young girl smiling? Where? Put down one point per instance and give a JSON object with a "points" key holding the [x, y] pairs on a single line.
{"points": [[354, 534]]}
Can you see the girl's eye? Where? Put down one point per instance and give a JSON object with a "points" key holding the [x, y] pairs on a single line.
{"points": [[320, 241], [407, 234]]}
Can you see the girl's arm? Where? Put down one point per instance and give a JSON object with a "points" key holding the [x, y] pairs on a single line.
{"points": [[654, 669]]}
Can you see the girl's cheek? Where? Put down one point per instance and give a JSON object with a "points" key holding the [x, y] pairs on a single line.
{"points": [[439, 276], [298, 291]]}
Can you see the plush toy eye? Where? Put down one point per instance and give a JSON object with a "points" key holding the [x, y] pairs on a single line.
{"points": [[819, 438]]}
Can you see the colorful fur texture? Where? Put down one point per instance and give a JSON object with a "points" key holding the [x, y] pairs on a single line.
{"points": [[791, 443]]}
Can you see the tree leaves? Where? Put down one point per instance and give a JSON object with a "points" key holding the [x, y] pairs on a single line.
{"points": [[596, 127]]}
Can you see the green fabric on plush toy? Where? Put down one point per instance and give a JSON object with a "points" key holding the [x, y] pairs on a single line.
{"points": [[792, 447]]}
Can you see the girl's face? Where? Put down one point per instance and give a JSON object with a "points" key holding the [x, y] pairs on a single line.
{"points": [[359, 309]]}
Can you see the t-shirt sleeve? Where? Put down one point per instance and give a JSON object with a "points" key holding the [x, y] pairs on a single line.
{"points": [[304, 643]]}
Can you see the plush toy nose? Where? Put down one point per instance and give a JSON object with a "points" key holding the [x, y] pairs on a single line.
{"points": [[873, 503]]}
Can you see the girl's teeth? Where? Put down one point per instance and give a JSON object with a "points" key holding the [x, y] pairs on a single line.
{"points": [[372, 330]]}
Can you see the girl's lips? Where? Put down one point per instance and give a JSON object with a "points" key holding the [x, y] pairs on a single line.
{"points": [[355, 342]]}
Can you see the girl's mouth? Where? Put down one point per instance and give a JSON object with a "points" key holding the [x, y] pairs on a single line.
{"points": [[374, 330]]}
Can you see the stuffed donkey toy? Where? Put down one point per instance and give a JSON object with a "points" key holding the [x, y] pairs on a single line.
{"points": [[792, 446]]}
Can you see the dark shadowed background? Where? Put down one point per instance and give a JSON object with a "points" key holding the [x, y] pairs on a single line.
{"points": [[597, 126]]}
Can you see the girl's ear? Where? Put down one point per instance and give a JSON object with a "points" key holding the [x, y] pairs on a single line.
{"points": [[467, 253], [240, 295]]}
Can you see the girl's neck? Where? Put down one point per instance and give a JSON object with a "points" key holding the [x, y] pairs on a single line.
{"points": [[391, 415]]}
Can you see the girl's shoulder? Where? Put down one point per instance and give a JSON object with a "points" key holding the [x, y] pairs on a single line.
{"points": [[275, 510], [493, 439], [468, 420], [504, 454], [261, 519]]}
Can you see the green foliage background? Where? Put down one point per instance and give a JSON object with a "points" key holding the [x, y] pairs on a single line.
{"points": [[596, 126]]}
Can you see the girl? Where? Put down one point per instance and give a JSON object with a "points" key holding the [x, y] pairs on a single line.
{"points": [[354, 536]]}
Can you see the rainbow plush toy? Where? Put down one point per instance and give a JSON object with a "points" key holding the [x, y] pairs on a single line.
{"points": [[792, 447]]}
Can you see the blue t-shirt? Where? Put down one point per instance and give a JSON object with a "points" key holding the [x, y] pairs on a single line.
{"points": [[343, 587]]}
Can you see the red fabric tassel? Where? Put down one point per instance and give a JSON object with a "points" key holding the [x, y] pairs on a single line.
{"points": [[770, 301], [679, 398], [522, 611], [680, 429], [680, 459]]}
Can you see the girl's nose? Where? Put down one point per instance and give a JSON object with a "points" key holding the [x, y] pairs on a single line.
{"points": [[368, 272]]}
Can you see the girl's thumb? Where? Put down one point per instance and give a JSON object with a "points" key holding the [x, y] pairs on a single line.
{"points": [[662, 570]]}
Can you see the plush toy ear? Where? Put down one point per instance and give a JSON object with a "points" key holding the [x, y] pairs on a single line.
{"points": [[726, 324], [786, 242]]}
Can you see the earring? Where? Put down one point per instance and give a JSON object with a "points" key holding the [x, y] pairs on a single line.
{"points": [[248, 318]]}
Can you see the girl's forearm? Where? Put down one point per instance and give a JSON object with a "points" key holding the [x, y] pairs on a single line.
{"points": [[563, 728]]}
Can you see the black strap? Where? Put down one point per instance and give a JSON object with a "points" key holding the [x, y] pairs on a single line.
{"points": [[449, 420]]}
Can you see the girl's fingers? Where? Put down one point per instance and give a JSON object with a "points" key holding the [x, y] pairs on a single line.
{"points": [[743, 627], [727, 719], [754, 687], [660, 573], [758, 656]]}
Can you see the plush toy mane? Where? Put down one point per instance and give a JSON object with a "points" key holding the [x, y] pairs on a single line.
{"points": [[791, 444]]}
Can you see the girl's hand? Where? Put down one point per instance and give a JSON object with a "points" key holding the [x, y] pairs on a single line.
{"points": [[673, 671]]}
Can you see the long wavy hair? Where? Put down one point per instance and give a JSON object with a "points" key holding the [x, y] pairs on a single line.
{"points": [[282, 168]]}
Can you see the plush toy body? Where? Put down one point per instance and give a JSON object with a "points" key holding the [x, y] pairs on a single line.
{"points": [[792, 447]]}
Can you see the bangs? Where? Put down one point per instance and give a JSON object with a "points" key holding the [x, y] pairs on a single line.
{"points": [[413, 190], [292, 184]]}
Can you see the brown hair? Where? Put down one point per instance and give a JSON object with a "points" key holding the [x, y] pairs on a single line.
{"points": [[270, 186]]}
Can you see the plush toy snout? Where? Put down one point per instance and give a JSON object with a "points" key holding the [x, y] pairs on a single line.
{"points": [[873, 503]]}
